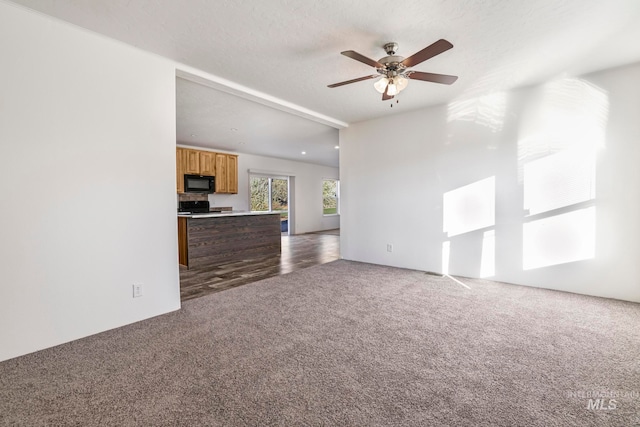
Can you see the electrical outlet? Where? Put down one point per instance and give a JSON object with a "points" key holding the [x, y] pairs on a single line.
{"points": [[137, 290], [389, 247]]}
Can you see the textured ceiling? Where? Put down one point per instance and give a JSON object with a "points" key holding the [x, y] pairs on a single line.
{"points": [[290, 49], [244, 126]]}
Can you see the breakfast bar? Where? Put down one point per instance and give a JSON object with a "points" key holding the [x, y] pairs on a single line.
{"points": [[210, 239]]}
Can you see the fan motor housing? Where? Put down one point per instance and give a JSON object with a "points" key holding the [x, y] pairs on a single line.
{"points": [[391, 48], [392, 63]]}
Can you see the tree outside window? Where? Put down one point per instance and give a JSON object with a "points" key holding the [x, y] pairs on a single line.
{"points": [[259, 193], [271, 194], [330, 197]]}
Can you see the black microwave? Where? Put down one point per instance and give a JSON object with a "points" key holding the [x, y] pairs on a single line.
{"points": [[199, 184]]}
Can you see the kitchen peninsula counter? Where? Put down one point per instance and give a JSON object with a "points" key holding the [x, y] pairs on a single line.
{"points": [[218, 214], [214, 238]]}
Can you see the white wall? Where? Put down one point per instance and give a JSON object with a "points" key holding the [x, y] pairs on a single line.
{"points": [[87, 180], [307, 192], [396, 170]]}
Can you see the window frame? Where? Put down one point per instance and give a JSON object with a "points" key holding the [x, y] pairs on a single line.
{"points": [[337, 197]]}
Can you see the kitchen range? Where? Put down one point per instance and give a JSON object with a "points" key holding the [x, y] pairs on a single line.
{"points": [[198, 206]]}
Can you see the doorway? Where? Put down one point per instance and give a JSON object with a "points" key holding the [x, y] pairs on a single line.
{"points": [[270, 193]]}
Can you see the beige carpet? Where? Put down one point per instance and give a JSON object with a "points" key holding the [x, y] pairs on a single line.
{"points": [[346, 344]]}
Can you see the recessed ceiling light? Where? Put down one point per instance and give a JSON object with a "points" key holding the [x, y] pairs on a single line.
{"points": [[337, 147], [304, 152]]}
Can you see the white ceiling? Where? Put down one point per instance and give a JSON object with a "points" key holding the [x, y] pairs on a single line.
{"points": [[245, 126], [288, 51]]}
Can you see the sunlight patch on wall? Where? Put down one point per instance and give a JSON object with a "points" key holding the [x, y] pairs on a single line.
{"points": [[559, 180], [469, 208], [559, 239], [561, 135], [488, 259], [487, 110], [569, 113], [446, 253]]}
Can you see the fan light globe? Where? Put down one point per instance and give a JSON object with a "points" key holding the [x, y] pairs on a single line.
{"points": [[392, 89], [381, 84], [401, 82]]}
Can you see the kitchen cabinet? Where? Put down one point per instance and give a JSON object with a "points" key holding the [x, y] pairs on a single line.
{"points": [[196, 162], [180, 170], [191, 161], [226, 173], [232, 174], [207, 163], [221, 178], [183, 251]]}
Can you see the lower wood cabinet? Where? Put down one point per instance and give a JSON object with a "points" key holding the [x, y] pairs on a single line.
{"points": [[183, 251], [180, 170]]}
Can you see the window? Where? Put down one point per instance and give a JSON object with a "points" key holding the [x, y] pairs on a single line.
{"points": [[330, 197], [271, 194], [260, 193]]}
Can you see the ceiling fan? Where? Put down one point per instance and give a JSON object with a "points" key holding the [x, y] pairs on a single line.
{"points": [[394, 70]]}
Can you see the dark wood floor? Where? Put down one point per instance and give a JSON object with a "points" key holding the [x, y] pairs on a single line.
{"points": [[298, 252]]}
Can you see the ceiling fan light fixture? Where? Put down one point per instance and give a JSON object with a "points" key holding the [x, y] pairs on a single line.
{"points": [[392, 89], [401, 82], [395, 71], [381, 84]]}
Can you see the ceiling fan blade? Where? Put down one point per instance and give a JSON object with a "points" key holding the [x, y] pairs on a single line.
{"points": [[353, 81], [385, 95], [358, 57], [428, 52], [431, 77]]}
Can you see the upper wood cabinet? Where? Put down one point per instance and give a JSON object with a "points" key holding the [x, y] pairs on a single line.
{"points": [[207, 163], [195, 162], [191, 161], [221, 178], [232, 174], [226, 173]]}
